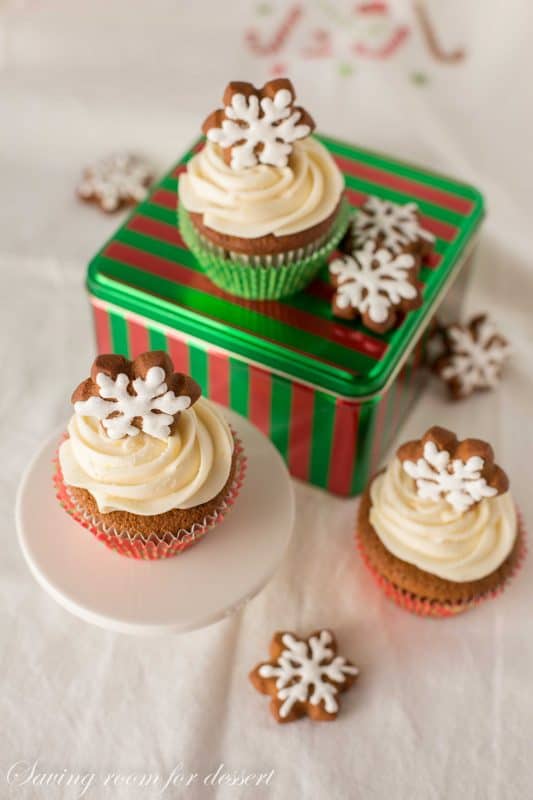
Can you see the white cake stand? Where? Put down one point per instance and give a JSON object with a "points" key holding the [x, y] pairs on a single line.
{"points": [[205, 583]]}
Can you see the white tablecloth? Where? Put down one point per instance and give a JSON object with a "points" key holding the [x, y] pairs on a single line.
{"points": [[442, 709]]}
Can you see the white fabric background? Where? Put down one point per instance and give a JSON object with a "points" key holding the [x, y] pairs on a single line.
{"points": [[442, 709]]}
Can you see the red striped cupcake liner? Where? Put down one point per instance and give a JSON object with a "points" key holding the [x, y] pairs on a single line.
{"points": [[154, 546], [435, 608]]}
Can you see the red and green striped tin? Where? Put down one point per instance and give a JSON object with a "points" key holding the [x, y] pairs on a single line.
{"points": [[327, 392]]}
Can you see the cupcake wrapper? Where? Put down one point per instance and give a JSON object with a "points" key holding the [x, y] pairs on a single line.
{"points": [[434, 608], [155, 546], [263, 277], [271, 261]]}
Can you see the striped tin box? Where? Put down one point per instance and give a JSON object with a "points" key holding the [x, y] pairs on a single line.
{"points": [[329, 393]]}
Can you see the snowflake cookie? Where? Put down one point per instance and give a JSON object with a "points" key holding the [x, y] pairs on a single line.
{"points": [[304, 676], [132, 396], [375, 285], [119, 180], [462, 473], [394, 227], [258, 126], [474, 356]]}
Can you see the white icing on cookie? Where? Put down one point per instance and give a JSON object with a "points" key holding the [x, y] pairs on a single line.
{"points": [[115, 180], [260, 131], [304, 672], [151, 402], [373, 282], [396, 225], [476, 357], [437, 476]]}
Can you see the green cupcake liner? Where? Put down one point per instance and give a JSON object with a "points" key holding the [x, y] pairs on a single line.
{"points": [[261, 282]]}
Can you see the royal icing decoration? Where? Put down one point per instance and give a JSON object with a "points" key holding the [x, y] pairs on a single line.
{"points": [[258, 126], [118, 180], [129, 397], [474, 357], [459, 482], [304, 676], [374, 284], [389, 225], [461, 473]]}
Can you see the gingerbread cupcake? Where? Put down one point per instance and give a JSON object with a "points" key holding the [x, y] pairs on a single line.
{"points": [[438, 528], [261, 205], [148, 465]]}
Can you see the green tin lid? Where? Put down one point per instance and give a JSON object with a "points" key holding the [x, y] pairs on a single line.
{"points": [[146, 268]]}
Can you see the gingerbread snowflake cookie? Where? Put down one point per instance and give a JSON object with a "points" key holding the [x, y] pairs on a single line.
{"points": [[304, 676], [474, 356], [376, 286], [389, 225], [132, 396], [258, 126], [121, 179], [461, 472]]}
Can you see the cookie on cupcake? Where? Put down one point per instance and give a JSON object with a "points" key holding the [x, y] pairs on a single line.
{"points": [[148, 465], [439, 528], [261, 204]]}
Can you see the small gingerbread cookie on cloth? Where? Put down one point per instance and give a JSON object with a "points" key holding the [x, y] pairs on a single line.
{"points": [[119, 180], [304, 676], [391, 226], [474, 356], [258, 126], [375, 285]]}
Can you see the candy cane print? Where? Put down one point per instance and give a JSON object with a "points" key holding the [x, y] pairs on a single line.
{"points": [[384, 51], [430, 37], [279, 38]]}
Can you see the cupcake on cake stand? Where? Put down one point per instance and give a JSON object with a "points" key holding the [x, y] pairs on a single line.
{"points": [[149, 468]]}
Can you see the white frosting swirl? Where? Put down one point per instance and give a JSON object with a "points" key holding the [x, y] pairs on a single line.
{"points": [[145, 475], [262, 200], [432, 536]]}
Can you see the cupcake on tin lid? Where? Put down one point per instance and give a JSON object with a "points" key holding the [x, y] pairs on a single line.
{"points": [[148, 465], [261, 205], [439, 528]]}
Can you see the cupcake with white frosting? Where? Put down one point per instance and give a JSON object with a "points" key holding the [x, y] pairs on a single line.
{"points": [[148, 465], [439, 528], [261, 205]]}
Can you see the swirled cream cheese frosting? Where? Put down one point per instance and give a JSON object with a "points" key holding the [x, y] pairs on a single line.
{"points": [[262, 200], [145, 475], [454, 545]]}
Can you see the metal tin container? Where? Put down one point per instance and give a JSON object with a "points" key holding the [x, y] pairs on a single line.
{"points": [[329, 393]]}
